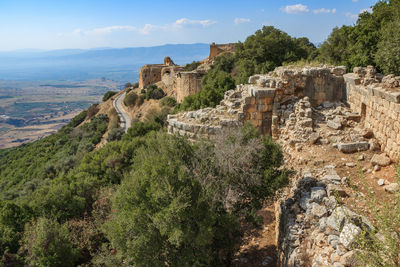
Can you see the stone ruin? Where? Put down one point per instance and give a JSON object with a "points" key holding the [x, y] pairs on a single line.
{"points": [[377, 99], [286, 98], [172, 78], [260, 101]]}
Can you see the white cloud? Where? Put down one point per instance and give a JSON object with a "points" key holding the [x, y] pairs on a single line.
{"points": [[146, 29], [355, 0], [108, 30], [355, 16], [295, 9], [184, 21], [369, 10], [241, 20], [324, 10], [352, 16]]}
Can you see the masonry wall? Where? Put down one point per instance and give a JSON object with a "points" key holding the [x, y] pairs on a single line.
{"points": [[149, 74], [380, 110], [216, 49], [187, 83]]}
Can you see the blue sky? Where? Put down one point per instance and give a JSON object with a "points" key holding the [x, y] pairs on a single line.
{"points": [[59, 24]]}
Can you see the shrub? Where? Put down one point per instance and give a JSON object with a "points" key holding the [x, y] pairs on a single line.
{"points": [[191, 66], [168, 219], [127, 85], [130, 99], [140, 100], [142, 128], [47, 243], [92, 111], [158, 116], [153, 92], [108, 95], [115, 134], [114, 119], [168, 101], [135, 85], [78, 119], [12, 221]]}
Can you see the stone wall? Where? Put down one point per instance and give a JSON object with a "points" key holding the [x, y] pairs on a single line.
{"points": [[217, 49], [150, 74], [377, 100], [259, 101], [189, 82]]}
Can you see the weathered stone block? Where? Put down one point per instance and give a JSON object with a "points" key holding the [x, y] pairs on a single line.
{"points": [[353, 147]]}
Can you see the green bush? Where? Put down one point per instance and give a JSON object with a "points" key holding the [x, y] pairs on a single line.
{"points": [[12, 220], [168, 220], [78, 119], [191, 66], [153, 92], [158, 116], [142, 128], [168, 101], [47, 243], [115, 134], [267, 49], [140, 100], [130, 99], [108, 95]]}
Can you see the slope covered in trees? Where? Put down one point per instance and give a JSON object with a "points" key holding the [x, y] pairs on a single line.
{"points": [[147, 199]]}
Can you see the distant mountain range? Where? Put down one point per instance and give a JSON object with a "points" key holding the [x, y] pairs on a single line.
{"points": [[76, 64]]}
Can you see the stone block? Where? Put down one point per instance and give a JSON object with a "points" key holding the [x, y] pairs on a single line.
{"points": [[353, 147], [334, 125]]}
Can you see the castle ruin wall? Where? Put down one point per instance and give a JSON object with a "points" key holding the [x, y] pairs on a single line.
{"points": [[377, 100]]}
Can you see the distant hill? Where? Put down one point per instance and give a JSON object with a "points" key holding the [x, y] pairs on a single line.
{"points": [[76, 64]]}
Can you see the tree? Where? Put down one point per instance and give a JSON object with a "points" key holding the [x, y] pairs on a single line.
{"points": [[47, 243], [108, 95], [388, 53], [161, 214], [267, 49]]}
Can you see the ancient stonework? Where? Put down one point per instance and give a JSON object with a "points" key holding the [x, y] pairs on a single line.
{"points": [[152, 74], [259, 101], [217, 49], [377, 100]]}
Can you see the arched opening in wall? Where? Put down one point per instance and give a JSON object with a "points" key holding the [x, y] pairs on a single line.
{"points": [[167, 72], [363, 111]]}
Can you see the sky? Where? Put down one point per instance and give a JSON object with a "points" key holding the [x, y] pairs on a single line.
{"points": [[85, 24]]}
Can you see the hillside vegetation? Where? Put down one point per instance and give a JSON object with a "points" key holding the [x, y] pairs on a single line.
{"points": [[147, 198]]}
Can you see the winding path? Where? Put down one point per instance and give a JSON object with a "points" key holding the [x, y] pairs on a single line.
{"points": [[123, 115]]}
